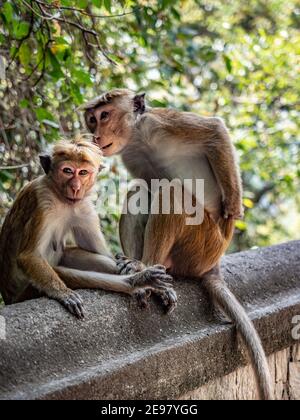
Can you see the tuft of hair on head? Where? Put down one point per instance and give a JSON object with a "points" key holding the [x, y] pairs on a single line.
{"points": [[109, 97], [78, 149]]}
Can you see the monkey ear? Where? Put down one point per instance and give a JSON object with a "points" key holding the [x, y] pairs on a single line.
{"points": [[139, 103], [45, 161]]}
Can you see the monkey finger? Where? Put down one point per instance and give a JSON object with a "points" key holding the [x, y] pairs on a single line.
{"points": [[159, 274], [79, 298], [164, 280], [78, 310], [143, 297], [168, 297], [162, 285], [160, 267], [170, 300], [74, 305]]}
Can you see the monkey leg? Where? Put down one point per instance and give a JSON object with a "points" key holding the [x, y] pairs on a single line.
{"points": [[80, 259], [186, 250], [132, 226]]}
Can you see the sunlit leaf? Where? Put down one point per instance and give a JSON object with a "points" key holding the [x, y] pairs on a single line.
{"points": [[21, 29], [241, 225], [43, 114], [248, 203], [7, 11]]}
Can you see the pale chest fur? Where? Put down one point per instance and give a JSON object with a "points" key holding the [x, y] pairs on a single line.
{"points": [[165, 159], [61, 221]]}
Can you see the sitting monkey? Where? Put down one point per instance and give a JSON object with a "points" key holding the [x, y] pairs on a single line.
{"points": [[160, 143], [34, 258]]}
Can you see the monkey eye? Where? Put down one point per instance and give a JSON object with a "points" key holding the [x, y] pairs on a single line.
{"points": [[104, 115], [83, 172], [68, 171], [93, 120]]}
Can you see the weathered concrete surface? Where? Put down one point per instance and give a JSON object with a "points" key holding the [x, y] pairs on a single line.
{"points": [[240, 384], [120, 351]]}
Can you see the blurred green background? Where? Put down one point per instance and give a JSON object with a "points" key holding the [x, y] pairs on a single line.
{"points": [[239, 60]]}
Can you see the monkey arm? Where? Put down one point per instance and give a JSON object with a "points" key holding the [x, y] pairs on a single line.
{"points": [[210, 137], [89, 237], [77, 279], [153, 279], [220, 152], [41, 275], [87, 261]]}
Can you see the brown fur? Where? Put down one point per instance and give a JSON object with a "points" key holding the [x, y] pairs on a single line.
{"points": [[34, 258], [165, 143]]}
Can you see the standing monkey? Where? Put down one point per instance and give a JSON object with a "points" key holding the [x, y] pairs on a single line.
{"points": [[34, 258], [157, 143]]}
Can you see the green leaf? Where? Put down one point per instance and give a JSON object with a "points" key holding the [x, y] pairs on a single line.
{"points": [[8, 12], [25, 55], [175, 13], [67, 2], [42, 114], [24, 103], [82, 77], [97, 3], [6, 175], [82, 4], [116, 58], [57, 72], [241, 225], [107, 5], [21, 29], [165, 3], [76, 94], [228, 63]]}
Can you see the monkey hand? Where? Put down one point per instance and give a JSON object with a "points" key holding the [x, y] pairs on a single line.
{"points": [[127, 265], [154, 280], [72, 302], [232, 209]]}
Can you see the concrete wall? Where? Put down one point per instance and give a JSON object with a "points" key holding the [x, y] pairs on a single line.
{"points": [[122, 352], [240, 384]]}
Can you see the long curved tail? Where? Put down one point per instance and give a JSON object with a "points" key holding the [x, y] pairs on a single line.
{"points": [[224, 298]]}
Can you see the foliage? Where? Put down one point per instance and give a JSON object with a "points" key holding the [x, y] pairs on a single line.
{"points": [[237, 59]]}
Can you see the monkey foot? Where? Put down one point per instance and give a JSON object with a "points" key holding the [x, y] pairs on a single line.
{"points": [[155, 280], [169, 298], [128, 265], [143, 298], [73, 303]]}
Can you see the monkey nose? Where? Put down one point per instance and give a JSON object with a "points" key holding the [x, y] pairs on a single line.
{"points": [[75, 188]]}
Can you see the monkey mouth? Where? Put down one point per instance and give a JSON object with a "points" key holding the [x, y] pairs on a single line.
{"points": [[73, 200], [107, 146]]}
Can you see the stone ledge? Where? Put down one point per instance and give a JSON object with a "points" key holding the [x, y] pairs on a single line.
{"points": [[122, 352]]}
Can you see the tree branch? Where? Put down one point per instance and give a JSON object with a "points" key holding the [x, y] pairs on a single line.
{"points": [[8, 168], [83, 12]]}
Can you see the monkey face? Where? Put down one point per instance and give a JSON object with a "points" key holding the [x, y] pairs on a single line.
{"points": [[111, 126], [73, 180]]}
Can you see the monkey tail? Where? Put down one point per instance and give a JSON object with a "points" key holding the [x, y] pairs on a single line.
{"points": [[224, 298]]}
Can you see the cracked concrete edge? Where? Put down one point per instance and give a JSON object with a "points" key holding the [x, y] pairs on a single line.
{"points": [[120, 352]]}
